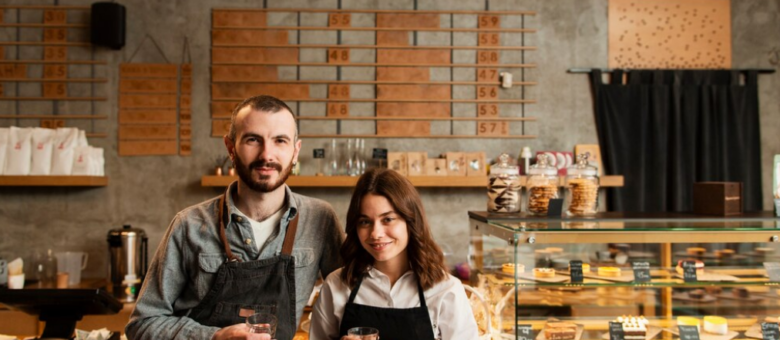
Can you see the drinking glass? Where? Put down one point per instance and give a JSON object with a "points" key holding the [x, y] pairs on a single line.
{"points": [[364, 333], [262, 323]]}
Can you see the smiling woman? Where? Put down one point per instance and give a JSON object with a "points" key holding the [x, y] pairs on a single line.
{"points": [[390, 252]]}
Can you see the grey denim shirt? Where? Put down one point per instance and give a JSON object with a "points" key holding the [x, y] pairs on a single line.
{"points": [[186, 262]]}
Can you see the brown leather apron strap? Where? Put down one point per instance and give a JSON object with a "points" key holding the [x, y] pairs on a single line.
{"points": [[222, 237], [289, 237]]}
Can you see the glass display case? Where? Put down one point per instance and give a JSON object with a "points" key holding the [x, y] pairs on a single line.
{"points": [[571, 278]]}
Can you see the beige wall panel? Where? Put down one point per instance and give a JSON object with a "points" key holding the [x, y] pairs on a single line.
{"points": [[408, 20], [413, 56], [154, 132], [147, 116], [147, 148], [254, 55], [244, 73], [147, 86], [148, 71], [281, 91], [248, 37], [403, 74], [432, 92]]}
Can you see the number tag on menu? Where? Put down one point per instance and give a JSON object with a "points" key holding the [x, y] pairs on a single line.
{"points": [[379, 153], [319, 153], [575, 270], [641, 272], [615, 331], [773, 270], [688, 332], [770, 331], [525, 332], [689, 271]]}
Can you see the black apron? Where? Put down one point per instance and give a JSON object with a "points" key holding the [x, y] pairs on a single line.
{"points": [[260, 286], [392, 323]]}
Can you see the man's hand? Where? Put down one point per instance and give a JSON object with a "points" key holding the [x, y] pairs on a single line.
{"points": [[238, 332], [350, 337]]}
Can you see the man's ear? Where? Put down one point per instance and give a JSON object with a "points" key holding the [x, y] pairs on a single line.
{"points": [[230, 146]]}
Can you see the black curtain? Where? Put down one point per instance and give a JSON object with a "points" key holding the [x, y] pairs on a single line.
{"points": [[666, 129]]}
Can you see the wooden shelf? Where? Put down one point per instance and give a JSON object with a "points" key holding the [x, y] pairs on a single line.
{"points": [[418, 181], [53, 181]]}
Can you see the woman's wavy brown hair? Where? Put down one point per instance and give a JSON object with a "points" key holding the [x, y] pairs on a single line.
{"points": [[425, 257]]}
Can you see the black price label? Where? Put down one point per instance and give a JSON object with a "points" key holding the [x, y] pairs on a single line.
{"points": [[3, 272], [525, 332], [689, 271], [773, 271], [379, 153], [319, 153], [615, 331], [688, 332], [641, 272], [555, 207], [575, 270], [770, 331]]}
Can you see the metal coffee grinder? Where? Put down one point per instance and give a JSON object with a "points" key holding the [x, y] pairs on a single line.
{"points": [[127, 248]]}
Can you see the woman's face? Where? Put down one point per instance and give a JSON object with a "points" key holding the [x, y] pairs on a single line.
{"points": [[381, 231]]}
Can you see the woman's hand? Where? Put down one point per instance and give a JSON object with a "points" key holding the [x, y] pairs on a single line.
{"points": [[238, 332]]}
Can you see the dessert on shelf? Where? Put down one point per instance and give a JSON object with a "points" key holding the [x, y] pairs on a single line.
{"points": [[740, 292], [697, 294], [560, 331], [696, 251], [689, 321], [634, 328], [699, 267], [716, 325], [544, 272], [609, 271], [512, 268]]}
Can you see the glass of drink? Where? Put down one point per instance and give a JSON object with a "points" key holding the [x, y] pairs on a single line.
{"points": [[262, 323], [364, 333]]}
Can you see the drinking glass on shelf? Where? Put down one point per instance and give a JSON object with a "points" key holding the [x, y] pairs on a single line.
{"points": [[364, 333], [332, 168], [262, 323]]}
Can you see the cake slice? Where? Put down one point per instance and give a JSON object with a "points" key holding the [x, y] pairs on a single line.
{"points": [[560, 331], [716, 325]]}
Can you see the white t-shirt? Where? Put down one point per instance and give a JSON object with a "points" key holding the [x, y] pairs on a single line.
{"points": [[262, 230], [448, 306]]}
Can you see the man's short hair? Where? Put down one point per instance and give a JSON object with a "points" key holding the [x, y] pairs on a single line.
{"points": [[259, 103]]}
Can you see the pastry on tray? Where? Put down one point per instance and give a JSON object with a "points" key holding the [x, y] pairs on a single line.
{"points": [[696, 251], [609, 271], [634, 328], [512, 268], [724, 253], [697, 294], [544, 272], [560, 331], [716, 325], [740, 292]]}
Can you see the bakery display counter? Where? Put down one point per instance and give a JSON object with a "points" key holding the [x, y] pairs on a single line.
{"points": [[568, 278]]}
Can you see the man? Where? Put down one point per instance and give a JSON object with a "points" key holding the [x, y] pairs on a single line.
{"points": [[256, 249]]}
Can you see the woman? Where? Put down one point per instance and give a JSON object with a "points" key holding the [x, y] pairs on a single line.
{"points": [[394, 278]]}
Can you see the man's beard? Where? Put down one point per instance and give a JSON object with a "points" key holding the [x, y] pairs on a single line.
{"points": [[262, 184]]}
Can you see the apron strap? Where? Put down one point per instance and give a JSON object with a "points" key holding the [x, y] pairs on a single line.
{"points": [[222, 237], [355, 290], [422, 296], [289, 237]]}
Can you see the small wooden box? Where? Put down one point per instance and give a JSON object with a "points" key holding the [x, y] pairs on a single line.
{"points": [[397, 161], [717, 198]]}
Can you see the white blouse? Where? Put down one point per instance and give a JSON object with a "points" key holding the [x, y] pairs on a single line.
{"points": [[448, 306]]}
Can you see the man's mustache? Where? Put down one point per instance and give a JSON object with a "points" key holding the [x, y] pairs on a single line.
{"points": [[264, 164]]}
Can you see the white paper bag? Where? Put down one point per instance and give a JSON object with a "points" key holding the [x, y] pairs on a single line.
{"points": [[64, 146], [82, 139], [82, 161], [43, 143], [19, 154], [98, 162], [4, 132]]}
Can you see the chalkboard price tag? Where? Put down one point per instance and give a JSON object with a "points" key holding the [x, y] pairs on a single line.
{"points": [[3, 272], [555, 207], [773, 270], [688, 332], [319, 153], [689, 271], [770, 331], [575, 270], [641, 272], [379, 153], [525, 332], [615, 331]]}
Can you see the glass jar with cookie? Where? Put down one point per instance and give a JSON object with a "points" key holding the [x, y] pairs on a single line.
{"points": [[582, 188], [542, 185], [504, 187]]}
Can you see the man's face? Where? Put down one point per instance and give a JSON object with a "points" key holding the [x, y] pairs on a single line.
{"points": [[264, 149]]}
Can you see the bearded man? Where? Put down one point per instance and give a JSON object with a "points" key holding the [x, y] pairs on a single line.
{"points": [[257, 248]]}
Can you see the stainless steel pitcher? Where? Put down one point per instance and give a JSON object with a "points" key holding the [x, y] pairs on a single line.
{"points": [[128, 261]]}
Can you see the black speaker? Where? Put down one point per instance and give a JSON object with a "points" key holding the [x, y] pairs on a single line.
{"points": [[108, 25]]}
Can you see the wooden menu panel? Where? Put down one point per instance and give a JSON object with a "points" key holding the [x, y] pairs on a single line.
{"points": [[148, 71], [403, 74], [250, 19], [432, 92], [403, 128], [9, 71], [54, 90], [690, 34], [248, 37], [410, 20], [493, 128], [185, 101], [185, 110], [413, 56], [392, 38], [281, 91], [222, 109], [254, 55], [148, 148], [55, 17], [339, 19], [147, 116], [153, 132], [55, 71], [2, 48], [220, 127], [413, 110], [244, 73], [136, 101], [186, 85], [147, 86], [185, 132], [55, 53], [185, 147]]}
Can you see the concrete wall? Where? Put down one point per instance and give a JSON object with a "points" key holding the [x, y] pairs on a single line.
{"points": [[147, 191]]}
